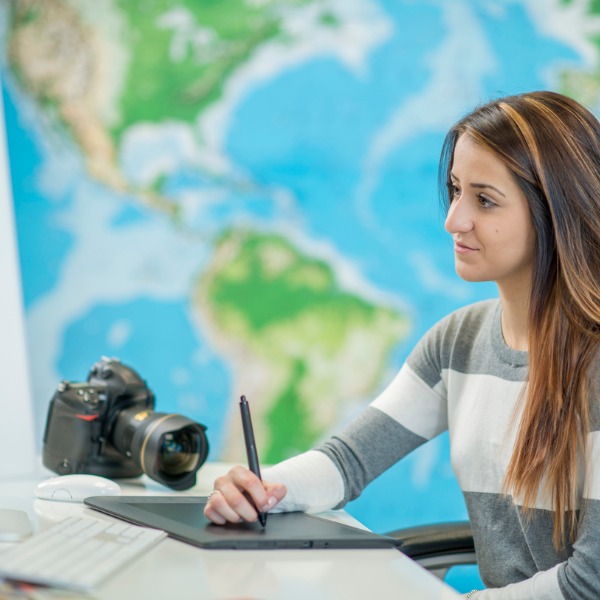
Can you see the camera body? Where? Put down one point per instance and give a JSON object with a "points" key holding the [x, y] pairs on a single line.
{"points": [[107, 426]]}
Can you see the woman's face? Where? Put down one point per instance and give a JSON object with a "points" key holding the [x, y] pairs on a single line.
{"points": [[489, 220]]}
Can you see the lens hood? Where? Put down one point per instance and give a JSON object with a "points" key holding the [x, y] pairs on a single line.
{"points": [[169, 448]]}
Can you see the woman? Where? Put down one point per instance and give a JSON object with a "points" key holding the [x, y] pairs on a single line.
{"points": [[514, 380]]}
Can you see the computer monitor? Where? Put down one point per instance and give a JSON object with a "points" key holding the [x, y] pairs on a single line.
{"points": [[17, 445]]}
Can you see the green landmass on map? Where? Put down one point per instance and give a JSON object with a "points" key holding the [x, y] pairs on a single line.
{"points": [[583, 83], [179, 56], [284, 309], [100, 69], [215, 38]]}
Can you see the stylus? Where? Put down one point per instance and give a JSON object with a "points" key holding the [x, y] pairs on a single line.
{"points": [[251, 447]]}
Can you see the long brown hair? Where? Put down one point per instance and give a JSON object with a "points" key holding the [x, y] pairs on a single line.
{"points": [[551, 144]]}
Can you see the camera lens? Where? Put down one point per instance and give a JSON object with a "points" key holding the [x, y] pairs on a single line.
{"points": [[167, 447], [178, 453]]}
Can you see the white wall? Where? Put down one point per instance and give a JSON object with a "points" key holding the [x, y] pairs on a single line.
{"points": [[17, 447]]}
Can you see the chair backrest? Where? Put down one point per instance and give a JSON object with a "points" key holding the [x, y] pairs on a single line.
{"points": [[438, 547]]}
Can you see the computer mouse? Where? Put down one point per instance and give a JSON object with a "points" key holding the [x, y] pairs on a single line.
{"points": [[75, 488]]}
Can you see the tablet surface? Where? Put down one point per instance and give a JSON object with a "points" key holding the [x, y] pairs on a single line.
{"points": [[183, 518]]}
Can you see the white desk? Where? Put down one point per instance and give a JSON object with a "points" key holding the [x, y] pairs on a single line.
{"points": [[173, 569]]}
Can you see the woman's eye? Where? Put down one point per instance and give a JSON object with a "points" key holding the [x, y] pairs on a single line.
{"points": [[453, 191], [486, 202]]}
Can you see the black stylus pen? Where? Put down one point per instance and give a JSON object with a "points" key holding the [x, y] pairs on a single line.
{"points": [[251, 448]]}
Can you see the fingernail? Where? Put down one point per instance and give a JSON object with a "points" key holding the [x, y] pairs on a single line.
{"points": [[271, 502]]}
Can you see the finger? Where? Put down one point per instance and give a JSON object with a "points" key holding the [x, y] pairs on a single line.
{"points": [[214, 516], [248, 482], [238, 502], [220, 502], [275, 493]]}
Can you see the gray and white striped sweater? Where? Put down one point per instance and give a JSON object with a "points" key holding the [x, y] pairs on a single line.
{"points": [[463, 378]]}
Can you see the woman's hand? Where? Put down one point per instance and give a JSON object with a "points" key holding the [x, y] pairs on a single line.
{"points": [[233, 495]]}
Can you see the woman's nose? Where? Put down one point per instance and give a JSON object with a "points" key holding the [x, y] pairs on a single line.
{"points": [[459, 218]]}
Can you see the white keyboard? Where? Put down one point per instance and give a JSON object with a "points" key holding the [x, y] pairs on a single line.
{"points": [[78, 553]]}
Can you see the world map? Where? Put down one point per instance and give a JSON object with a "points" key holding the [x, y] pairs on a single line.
{"points": [[240, 197]]}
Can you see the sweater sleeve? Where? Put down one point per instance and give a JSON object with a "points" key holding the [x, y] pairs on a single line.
{"points": [[312, 480], [411, 410], [405, 415], [542, 586]]}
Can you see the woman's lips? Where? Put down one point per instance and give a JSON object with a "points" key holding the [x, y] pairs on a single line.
{"points": [[460, 248]]}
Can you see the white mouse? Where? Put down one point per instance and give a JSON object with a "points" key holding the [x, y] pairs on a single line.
{"points": [[74, 488]]}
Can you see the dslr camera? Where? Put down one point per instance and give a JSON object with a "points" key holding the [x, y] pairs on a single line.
{"points": [[107, 426]]}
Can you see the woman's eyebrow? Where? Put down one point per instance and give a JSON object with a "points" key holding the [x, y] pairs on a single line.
{"points": [[481, 186]]}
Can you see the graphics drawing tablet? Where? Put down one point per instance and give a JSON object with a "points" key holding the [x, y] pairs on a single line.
{"points": [[182, 518]]}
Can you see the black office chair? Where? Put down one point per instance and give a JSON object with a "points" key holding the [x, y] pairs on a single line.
{"points": [[438, 547]]}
